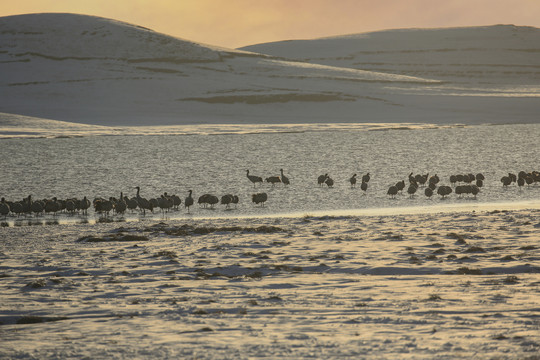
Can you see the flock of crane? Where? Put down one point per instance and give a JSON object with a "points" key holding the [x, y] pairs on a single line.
{"points": [[443, 190], [461, 185]]}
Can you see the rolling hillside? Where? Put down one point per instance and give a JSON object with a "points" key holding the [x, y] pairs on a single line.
{"points": [[91, 70], [483, 56]]}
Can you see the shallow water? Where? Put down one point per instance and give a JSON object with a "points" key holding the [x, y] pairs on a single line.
{"points": [[107, 165]]}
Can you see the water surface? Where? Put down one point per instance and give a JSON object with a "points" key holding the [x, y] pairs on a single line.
{"points": [[105, 166]]}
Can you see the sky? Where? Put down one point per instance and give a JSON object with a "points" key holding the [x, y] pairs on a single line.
{"points": [[236, 23]]}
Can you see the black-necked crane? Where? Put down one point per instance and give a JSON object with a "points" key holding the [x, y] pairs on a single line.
{"points": [[400, 185], [84, 205], [37, 207], [284, 179], [521, 182], [364, 186], [329, 181], [475, 190], [352, 180], [444, 190], [226, 200], [176, 201], [143, 203], [4, 208], [188, 201], [254, 179], [412, 189], [235, 200], [120, 206], [321, 179], [208, 199], [131, 203], [273, 180], [259, 198], [366, 178]]}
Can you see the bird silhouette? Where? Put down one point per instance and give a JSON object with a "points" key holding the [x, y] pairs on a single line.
{"points": [[208, 199], [176, 201], [4, 208], [400, 185], [254, 179], [364, 186], [259, 198], [120, 205], [392, 191], [412, 189], [521, 182], [475, 190], [235, 200], [352, 180], [329, 181], [284, 179], [227, 200], [84, 205], [273, 180], [366, 178], [144, 204], [188, 201], [444, 190]]}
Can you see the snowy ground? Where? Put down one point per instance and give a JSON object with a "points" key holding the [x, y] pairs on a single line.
{"points": [[20, 126], [412, 286]]}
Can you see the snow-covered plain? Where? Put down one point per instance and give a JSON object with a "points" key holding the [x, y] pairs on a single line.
{"points": [[456, 285]]}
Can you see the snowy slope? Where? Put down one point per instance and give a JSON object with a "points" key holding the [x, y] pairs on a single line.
{"points": [[92, 70], [500, 54]]}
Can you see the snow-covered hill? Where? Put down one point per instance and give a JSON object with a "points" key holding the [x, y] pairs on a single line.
{"points": [[484, 56], [92, 70]]}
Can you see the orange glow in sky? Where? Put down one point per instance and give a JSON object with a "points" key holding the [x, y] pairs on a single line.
{"points": [[235, 23]]}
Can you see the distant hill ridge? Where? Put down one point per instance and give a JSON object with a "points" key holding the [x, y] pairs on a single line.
{"points": [[84, 36], [498, 53]]}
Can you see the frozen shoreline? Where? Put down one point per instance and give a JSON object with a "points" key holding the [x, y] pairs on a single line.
{"points": [[443, 285], [92, 219], [14, 126]]}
